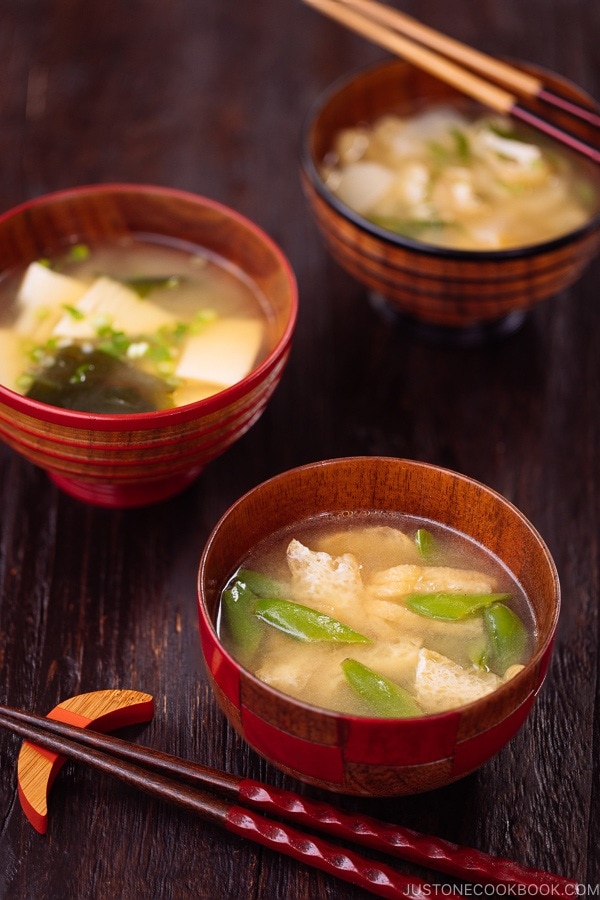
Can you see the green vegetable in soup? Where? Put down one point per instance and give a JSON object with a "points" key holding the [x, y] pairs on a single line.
{"points": [[410, 228], [508, 636], [384, 697], [261, 585], [78, 252], [451, 606], [239, 606], [144, 285], [306, 624], [478, 652], [97, 382], [425, 542]]}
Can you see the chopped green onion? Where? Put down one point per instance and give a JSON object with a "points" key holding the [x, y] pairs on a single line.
{"points": [[144, 285], [74, 312]]}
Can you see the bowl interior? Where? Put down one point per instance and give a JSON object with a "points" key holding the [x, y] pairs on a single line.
{"points": [[47, 225], [386, 484], [398, 87]]}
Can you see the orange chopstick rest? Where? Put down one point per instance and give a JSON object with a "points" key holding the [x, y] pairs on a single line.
{"points": [[104, 710]]}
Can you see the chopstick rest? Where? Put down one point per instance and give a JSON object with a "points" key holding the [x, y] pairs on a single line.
{"points": [[104, 710], [166, 776]]}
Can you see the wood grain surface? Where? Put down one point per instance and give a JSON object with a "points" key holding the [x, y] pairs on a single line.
{"points": [[209, 96]]}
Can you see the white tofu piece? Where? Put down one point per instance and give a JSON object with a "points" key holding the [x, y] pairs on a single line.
{"points": [[109, 302], [442, 684], [224, 352], [408, 579], [12, 362], [41, 297]]}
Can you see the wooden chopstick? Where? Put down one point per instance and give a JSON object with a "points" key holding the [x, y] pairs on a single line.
{"points": [[465, 81], [511, 77], [316, 852], [161, 775]]}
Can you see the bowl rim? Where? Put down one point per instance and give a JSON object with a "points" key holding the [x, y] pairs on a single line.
{"points": [[311, 170], [535, 660], [179, 414]]}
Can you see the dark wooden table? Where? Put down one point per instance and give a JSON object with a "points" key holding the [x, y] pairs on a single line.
{"points": [[210, 97]]}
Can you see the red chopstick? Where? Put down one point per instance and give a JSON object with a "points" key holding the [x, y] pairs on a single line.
{"points": [[161, 775]]}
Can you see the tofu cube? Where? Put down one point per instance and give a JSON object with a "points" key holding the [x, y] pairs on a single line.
{"points": [[112, 303], [224, 352], [42, 295]]}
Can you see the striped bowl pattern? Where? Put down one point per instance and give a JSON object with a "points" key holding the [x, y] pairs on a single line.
{"points": [[132, 460], [360, 755], [434, 285]]}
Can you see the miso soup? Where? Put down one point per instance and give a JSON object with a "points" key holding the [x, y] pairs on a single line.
{"points": [[132, 325], [454, 178], [376, 615]]}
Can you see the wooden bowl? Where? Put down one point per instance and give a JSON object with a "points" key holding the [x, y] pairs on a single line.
{"points": [[131, 460], [369, 756], [461, 294]]}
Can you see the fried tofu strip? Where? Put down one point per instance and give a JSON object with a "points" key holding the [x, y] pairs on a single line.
{"points": [[400, 580]]}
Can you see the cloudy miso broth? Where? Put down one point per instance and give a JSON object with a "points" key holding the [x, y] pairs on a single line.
{"points": [[451, 176], [376, 615], [132, 325]]}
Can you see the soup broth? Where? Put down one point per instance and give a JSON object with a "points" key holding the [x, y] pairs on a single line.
{"points": [[466, 181], [376, 615], [133, 325]]}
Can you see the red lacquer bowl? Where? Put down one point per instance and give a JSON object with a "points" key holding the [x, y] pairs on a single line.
{"points": [[132, 460], [369, 756], [457, 296]]}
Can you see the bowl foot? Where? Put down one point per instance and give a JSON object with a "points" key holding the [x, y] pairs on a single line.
{"points": [[467, 336], [124, 496]]}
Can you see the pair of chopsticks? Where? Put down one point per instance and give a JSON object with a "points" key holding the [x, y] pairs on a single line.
{"points": [[216, 796], [496, 84]]}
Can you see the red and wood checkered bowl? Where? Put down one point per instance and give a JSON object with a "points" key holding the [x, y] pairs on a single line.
{"points": [[132, 460], [360, 755], [460, 295]]}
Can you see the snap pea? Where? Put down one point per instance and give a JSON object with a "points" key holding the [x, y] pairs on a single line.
{"points": [[384, 697], [508, 636], [450, 606], [239, 604], [425, 542], [304, 623], [478, 653], [259, 584]]}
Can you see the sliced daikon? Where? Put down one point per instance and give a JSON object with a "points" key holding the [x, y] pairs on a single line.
{"points": [[363, 184], [108, 303], [224, 352]]}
